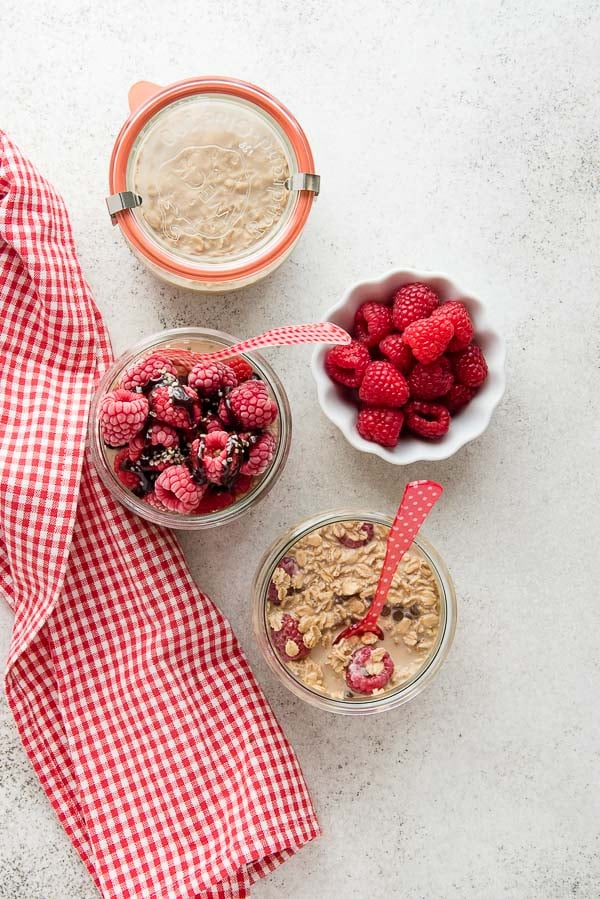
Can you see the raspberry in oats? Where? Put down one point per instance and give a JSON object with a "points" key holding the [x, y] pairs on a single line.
{"points": [[369, 669], [322, 579]]}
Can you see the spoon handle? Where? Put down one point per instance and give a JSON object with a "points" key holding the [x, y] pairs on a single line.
{"points": [[319, 332], [418, 500]]}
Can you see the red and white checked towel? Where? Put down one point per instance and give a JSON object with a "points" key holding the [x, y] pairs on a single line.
{"points": [[132, 697]]}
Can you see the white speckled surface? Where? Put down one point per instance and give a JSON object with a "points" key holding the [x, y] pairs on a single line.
{"points": [[460, 136]]}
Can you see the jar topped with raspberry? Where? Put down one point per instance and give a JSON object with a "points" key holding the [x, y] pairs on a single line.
{"points": [[185, 441]]}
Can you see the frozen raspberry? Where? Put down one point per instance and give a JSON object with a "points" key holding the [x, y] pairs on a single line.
{"points": [[220, 456], [153, 500], [124, 474], [381, 426], [250, 405], [429, 420], [122, 414], [162, 435], [371, 323], [470, 366], [183, 360], [397, 352], [209, 377], [456, 312], [291, 567], [428, 337], [243, 370], [211, 422], [136, 446], [158, 458], [147, 369], [364, 675], [176, 489], [176, 405], [427, 382], [260, 454], [412, 302], [288, 641], [383, 385], [347, 364], [368, 530], [458, 397]]}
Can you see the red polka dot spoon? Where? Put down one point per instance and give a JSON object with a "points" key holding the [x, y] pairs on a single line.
{"points": [[288, 335], [418, 500]]}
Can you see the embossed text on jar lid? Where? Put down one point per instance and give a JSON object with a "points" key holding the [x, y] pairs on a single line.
{"points": [[211, 181], [211, 171]]}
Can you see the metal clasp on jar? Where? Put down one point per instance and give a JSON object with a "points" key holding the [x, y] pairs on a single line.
{"points": [[116, 203], [304, 181]]}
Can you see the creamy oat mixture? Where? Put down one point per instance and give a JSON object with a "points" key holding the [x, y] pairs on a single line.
{"points": [[211, 176], [326, 581]]}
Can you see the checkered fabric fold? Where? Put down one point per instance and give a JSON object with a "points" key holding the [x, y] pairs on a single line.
{"points": [[134, 702]]}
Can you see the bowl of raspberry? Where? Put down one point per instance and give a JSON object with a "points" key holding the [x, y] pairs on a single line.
{"points": [[184, 441], [423, 374], [320, 577]]}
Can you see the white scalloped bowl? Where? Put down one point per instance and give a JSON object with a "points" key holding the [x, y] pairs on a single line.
{"points": [[467, 425]]}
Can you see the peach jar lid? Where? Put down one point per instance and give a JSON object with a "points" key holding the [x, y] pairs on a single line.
{"points": [[210, 178]]}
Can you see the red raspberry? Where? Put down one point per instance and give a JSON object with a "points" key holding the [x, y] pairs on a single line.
{"points": [[458, 315], [251, 406], [157, 435], [136, 446], [157, 458], [372, 322], [261, 453], [291, 567], [220, 455], [427, 382], [398, 352], [429, 420], [176, 489], [176, 405], [458, 396], [381, 426], [358, 676], [347, 364], [163, 435], [183, 360], [383, 385], [470, 366], [243, 370], [148, 368], [129, 478], [122, 414], [368, 530], [412, 302], [429, 337], [289, 638], [153, 500], [209, 377]]}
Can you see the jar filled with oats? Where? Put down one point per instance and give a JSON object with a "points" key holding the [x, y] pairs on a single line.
{"points": [[322, 576], [211, 182]]}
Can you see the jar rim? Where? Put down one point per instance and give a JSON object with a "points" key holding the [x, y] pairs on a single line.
{"points": [[384, 702], [231, 87]]}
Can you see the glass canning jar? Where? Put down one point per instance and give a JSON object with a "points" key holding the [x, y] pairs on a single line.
{"points": [[197, 340], [358, 705], [211, 182]]}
